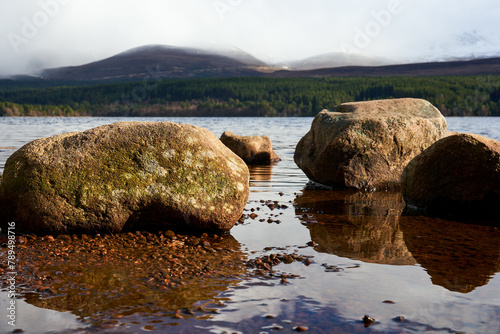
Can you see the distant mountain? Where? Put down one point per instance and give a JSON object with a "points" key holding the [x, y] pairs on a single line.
{"points": [[488, 66], [337, 59], [162, 62], [159, 61], [468, 44]]}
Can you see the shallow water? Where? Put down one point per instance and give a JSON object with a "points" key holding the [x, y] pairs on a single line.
{"points": [[442, 276]]}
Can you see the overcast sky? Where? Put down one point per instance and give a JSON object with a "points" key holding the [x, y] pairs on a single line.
{"points": [[48, 33]]}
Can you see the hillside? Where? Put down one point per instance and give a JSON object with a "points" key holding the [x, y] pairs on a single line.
{"points": [[150, 81], [160, 61], [336, 59], [168, 62], [488, 66]]}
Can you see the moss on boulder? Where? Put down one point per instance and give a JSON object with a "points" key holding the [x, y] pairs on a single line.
{"points": [[125, 175]]}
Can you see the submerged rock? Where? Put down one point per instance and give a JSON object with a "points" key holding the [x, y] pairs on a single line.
{"points": [[366, 145], [125, 175], [254, 150], [459, 176]]}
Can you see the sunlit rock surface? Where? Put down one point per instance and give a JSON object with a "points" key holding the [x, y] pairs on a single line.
{"points": [[127, 175], [254, 150], [366, 145]]}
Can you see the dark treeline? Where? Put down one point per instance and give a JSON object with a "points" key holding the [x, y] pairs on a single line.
{"points": [[453, 95]]}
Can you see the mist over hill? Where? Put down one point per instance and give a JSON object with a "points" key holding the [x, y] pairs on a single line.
{"points": [[338, 59], [161, 62], [488, 66], [169, 62]]}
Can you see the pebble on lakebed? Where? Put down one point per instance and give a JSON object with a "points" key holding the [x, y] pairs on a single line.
{"points": [[367, 320]]}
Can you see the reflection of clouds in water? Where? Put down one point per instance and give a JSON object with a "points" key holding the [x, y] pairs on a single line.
{"points": [[358, 291], [459, 316], [369, 227], [34, 320]]}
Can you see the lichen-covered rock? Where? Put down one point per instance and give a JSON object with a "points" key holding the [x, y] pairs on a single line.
{"points": [[457, 176], [366, 145], [254, 150], [122, 176]]}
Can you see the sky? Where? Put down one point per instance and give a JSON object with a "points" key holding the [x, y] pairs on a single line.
{"points": [[37, 34]]}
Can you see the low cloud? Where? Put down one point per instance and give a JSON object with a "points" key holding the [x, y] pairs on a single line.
{"points": [[36, 34]]}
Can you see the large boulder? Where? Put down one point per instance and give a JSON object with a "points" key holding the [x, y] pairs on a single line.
{"points": [[127, 175], [458, 176], [366, 145], [254, 150]]}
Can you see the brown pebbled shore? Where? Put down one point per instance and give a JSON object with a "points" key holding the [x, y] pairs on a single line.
{"points": [[122, 274], [104, 278]]}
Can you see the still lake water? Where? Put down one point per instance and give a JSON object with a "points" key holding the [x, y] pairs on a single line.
{"points": [[442, 276]]}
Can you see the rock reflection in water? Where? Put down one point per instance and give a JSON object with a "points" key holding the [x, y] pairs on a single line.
{"points": [[359, 225], [459, 257], [369, 226], [109, 277], [260, 173]]}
